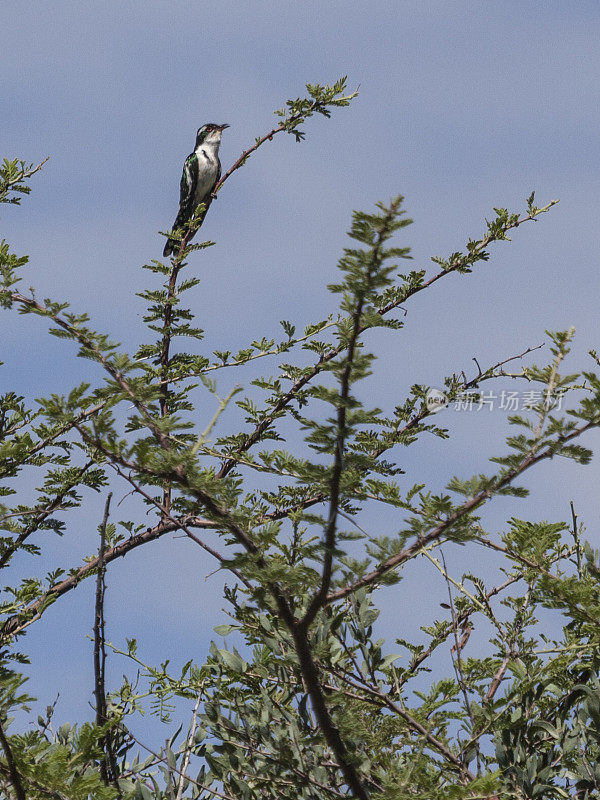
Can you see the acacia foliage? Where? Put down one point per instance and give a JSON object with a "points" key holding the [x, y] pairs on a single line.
{"points": [[304, 700]]}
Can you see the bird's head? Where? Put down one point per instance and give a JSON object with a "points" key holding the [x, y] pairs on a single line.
{"points": [[210, 133]]}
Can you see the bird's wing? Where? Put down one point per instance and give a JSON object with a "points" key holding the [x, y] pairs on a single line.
{"points": [[189, 181]]}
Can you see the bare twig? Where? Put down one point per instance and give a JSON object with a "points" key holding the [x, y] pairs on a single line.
{"points": [[189, 746], [457, 660], [575, 532], [108, 765]]}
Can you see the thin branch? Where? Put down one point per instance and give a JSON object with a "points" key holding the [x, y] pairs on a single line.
{"points": [[325, 358], [497, 679], [223, 403], [268, 137], [15, 777], [340, 442], [273, 351], [412, 722], [575, 532], [189, 746], [26, 172], [34, 610], [42, 515], [108, 765], [457, 660], [462, 511]]}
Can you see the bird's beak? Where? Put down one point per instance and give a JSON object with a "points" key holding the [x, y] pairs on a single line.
{"points": [[222, 127]]}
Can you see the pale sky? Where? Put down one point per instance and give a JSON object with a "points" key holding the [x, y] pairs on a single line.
{"points": [[463, 106]]}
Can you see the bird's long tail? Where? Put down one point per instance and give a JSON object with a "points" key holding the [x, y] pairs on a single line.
{"points": [[172, 245]]}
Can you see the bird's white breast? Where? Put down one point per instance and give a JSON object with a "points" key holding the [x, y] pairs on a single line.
{"points": [[208, 167]]}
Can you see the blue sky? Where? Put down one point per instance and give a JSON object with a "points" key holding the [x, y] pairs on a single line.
{"points": [[463, 106]]}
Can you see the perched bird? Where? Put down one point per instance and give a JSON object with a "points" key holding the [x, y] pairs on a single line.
{"points": [[201, 172]]}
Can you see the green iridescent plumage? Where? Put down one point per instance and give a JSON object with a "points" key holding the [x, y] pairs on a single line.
{"points": [[201, 172]]}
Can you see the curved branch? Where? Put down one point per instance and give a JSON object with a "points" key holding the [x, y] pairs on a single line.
{"points": [[462, 511], [34, 611]]}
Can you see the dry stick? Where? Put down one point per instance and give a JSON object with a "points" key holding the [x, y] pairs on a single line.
{"points": [[175, 770], [189, 746], [108, 765], [13, 772], [457, 662], [576, 538]]}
